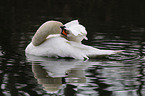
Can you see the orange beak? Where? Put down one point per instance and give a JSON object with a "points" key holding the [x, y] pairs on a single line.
{"points": [[64, 33]]}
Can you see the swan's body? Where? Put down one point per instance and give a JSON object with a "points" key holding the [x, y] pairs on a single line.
{"points": [[49, 42]]}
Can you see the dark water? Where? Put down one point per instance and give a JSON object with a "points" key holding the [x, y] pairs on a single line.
{"points": [[118, 75]]}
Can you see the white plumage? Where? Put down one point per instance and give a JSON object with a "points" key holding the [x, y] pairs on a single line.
{"points": [[75, 28], [56, 45]]}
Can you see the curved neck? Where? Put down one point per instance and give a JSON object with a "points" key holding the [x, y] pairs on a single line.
{"points": [[49, 27]]}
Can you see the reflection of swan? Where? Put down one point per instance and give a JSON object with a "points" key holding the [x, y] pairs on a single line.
{"points": [[59, 68], [66, 44], [49, 72], [49, 84], [119, 78]]}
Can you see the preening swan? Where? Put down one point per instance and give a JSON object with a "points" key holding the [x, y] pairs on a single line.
{"points": [[53, 39]]}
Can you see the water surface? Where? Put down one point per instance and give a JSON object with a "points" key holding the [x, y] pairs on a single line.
{"points": [[117, 75]]}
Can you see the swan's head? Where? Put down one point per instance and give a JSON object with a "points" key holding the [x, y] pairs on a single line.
{"points": [[73, 31], [64, 32]]}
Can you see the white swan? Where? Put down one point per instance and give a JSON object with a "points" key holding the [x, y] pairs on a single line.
{"points": [[48, 41]]}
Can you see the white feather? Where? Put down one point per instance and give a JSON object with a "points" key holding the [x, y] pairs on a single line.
{"points": [[71, 23], [75, 28], [57, 45], [77, 31]]}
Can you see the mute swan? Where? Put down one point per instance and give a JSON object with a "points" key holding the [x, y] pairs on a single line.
{"points": [[48, 41]]}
